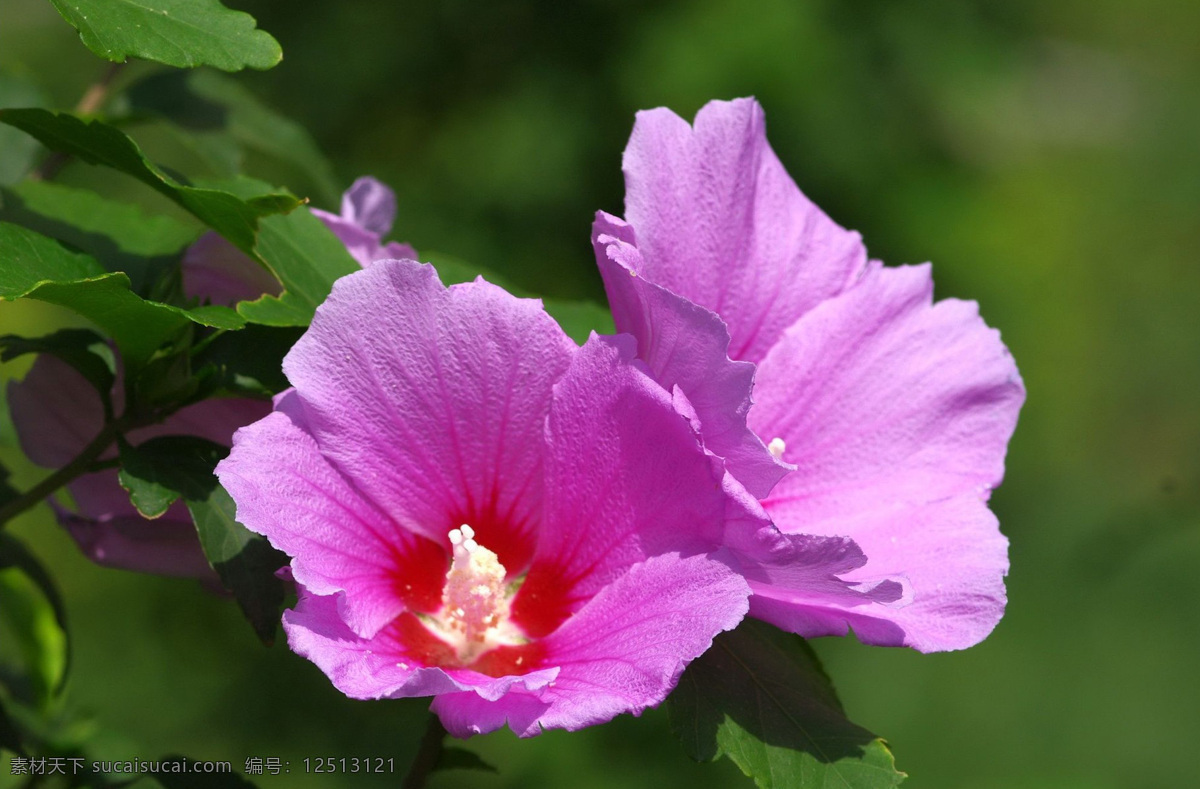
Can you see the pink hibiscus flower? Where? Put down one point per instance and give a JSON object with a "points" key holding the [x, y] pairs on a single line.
{"points": [[879, 419]]}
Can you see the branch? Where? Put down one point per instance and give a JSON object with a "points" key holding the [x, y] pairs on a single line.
{"points": [[427, 754], [81, 464], [91, 102]]}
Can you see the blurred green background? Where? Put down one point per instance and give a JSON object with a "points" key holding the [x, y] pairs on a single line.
{"points": [[1044, 155]]}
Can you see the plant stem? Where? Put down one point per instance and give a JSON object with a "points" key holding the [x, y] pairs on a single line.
{"points": [[97, 93], [82, 463], [91, 102], [427, 754]]}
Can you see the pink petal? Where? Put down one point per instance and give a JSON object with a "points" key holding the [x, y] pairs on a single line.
{"points": [[687, 346], [622, 652], [895, 411], [431, 399], [625, 479], [955, 559], [370, 204], [720, 222], [382, 666], [363, 244], [215, 419], [166, 546], [55, 411], [339, 541]]}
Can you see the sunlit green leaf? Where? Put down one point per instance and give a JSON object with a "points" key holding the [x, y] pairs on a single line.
{"points": [[307, 258], [183, 33], [760, 697], [245, 561], [33, 614], [97, 224]]}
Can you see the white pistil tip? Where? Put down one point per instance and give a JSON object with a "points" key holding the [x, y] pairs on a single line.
{"points": [[776, 447], [475, 603]]}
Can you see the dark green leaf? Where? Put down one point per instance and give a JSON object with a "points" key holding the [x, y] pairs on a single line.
{"points": [[760, 697], [248, 361], [36, 267], [182, 33], [461, 759], [152, 485], [245, 561], [19, 150], [34, 609], [83, 349], [235, 218]]}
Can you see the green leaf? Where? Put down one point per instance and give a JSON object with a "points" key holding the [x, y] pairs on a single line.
{"points": [[119, 235], [213, 106], [245, 561], [182, 33], [83, 349], [122, 226], [28, 258], [461, 759], [33, 611], [760, 697], [249, 361], [305, 256], [36, 267], [152, 486], [235, 218], [19, 150]]}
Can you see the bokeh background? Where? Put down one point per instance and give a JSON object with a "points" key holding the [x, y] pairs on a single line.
{"points": [[1045, 155]]}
